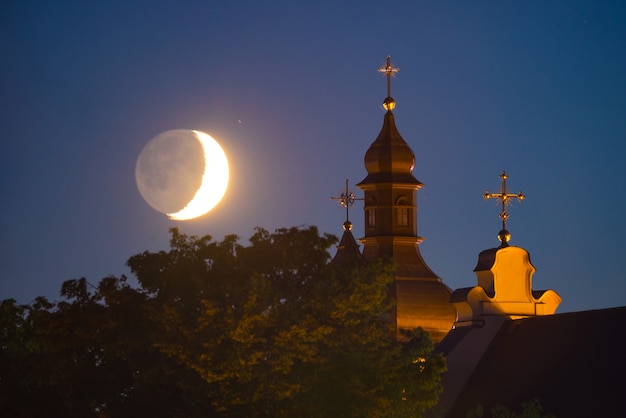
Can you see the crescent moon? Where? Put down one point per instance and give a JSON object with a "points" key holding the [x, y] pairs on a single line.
{"points": [[214, 180]]}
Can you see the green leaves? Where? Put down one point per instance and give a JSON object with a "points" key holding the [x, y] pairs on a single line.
{"points": [[217, 328]]}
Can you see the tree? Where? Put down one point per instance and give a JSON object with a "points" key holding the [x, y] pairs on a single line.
{"points": [[221, 329]]}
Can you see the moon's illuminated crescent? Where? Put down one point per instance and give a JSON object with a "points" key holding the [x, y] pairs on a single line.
{"points": [[182, 173], [214, 180]]}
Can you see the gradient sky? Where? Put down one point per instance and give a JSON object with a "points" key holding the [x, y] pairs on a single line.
{"points": [[291, 91]]}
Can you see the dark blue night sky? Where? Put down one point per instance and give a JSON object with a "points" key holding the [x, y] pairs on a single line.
{"points": [[291, 91]]}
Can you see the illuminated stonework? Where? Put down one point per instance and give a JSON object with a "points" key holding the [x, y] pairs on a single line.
{"points": [[504, 289]]}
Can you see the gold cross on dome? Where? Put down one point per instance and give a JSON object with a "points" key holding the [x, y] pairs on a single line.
{"points": [[389, 71], [505, 198], [346, 199]]}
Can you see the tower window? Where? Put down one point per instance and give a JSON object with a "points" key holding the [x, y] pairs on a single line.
{"points": [[402, 211], [370, 212], [371, 218], [402, 216]]}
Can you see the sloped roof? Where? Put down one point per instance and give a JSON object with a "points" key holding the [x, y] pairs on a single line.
{"points": [[348, 247], [573, 363]]}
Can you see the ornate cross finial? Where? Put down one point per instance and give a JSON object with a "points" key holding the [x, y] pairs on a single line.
{"points": [[346, 199], [504, 236], [389, 71]]}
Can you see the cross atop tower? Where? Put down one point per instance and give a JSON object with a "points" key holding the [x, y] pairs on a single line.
{"points": [[389, 71], [346, 199], [504, 236]]}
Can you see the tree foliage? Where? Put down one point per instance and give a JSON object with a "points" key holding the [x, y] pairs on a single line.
{"points": [[215, 328]]}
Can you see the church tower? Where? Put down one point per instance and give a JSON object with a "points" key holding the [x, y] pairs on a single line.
{"points": [[390, 192]]}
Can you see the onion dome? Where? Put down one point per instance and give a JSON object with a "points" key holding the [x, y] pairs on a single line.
{"points": [[389, 159]]}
